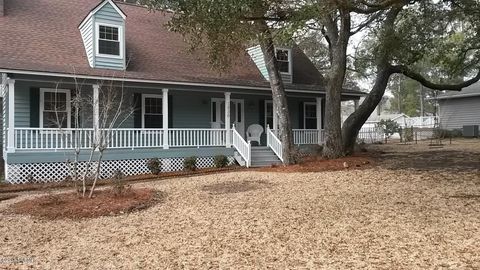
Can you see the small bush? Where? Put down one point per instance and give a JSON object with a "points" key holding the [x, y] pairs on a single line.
{"points": [[119, 186], [154, 165], [190, 163], [389, 127], [220, 161], [407, 134]]}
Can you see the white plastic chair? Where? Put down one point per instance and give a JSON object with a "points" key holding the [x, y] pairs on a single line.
{"points": [[254, 132]]}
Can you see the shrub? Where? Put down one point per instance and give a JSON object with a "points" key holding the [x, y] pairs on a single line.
{"points": [[119, 187], [389, 127], [190, 163], [407, 134], [220, 161], [154, 165]]}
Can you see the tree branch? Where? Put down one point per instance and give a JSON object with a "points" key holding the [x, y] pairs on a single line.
{"points": [[434, 86]]}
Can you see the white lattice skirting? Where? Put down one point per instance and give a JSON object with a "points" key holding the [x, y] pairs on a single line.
{"points": [[60, 171]]}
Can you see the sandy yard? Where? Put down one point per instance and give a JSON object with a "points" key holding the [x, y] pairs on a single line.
{"points": [[417, 208]]}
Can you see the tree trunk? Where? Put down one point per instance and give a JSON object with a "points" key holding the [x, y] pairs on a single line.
{"points": [[278, 93], [338, 43], [355, 121]]}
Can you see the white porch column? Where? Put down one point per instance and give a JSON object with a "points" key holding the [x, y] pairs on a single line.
{"points": [[355, 104], [319, 119], [165, 117], [11, 116], [227, 118], [96, 112]]}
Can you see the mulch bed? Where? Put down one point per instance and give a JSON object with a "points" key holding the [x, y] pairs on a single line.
{"points": [[318, 164], [72, 206], [12, 188]]}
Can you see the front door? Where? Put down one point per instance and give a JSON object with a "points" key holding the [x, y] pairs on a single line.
{"points": [[237, 114]]}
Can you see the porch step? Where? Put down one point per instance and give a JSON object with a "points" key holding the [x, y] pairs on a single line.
{"points": [[263, 156]]}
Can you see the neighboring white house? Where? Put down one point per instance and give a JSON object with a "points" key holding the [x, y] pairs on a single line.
{"points": [[374, 119]]}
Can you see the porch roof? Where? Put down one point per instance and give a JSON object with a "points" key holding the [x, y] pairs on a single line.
{"points": [[35, 42]]}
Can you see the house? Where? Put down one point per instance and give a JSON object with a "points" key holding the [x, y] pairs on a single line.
{"points": [[401, 119], [458, 109], [55, 50]]}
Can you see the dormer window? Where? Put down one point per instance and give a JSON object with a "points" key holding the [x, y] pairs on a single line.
{"points": [[109, 40], [284, 59]]}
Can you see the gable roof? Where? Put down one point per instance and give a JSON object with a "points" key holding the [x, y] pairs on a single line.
{"points": [[100, 6], [43, 36], [470, 91]]}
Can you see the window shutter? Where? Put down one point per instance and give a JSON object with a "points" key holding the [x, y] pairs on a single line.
{"points": [[261, 113], [34, 107], [170, 110], [323, 113], [301, 116], [137, 110]]}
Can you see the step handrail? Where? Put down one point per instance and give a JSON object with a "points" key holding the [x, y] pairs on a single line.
{"points": [[244, 148], [274, 143]]}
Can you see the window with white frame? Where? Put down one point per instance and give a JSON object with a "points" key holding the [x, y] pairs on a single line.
{"points": [[55, 108], [310, 115], [152, 111], [284, 58], [110, 40]]}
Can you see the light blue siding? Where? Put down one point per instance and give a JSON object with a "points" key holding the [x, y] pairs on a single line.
{"points": [[87, 36], [256, 54], [108, 15]]}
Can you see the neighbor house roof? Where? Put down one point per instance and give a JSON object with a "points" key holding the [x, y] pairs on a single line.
{"points": [[43, 36], [471, 91], [377, 118]]}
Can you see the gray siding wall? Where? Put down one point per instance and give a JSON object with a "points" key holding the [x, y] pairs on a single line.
{"points": [[455, 113], [87, 36]]}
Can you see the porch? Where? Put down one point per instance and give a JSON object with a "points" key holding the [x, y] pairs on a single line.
{"points": [[192, 121]]}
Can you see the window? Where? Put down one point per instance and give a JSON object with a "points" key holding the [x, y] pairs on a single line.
{"points": [[152, 116], [109, 40], [55, 108], [310, 115], [283, 59]]}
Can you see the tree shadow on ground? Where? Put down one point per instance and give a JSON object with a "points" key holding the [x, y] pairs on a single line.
{"points": [[450, 160]]}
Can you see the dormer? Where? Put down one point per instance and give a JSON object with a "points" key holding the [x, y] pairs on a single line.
{"points": [[103, 35], [284, 60]]}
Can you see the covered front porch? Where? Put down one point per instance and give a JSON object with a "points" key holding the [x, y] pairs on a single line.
{"points": [[161, 119]]}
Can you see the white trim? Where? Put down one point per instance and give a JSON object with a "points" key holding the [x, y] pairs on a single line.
{"points": [[165, 117], [290, 66], [68, 104], [111, 78], [143, 106], [227, 117], [11, 116], [265, 114], [304, 113], [117, 9], [319, 115], [121, 40]]}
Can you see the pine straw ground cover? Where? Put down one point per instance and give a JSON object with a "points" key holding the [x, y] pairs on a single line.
{"points": [[383, 217]]}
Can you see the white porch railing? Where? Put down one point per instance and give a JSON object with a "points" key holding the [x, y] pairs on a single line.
{"points": [[132, 138], [194, 137], [121, 138], [274, 143], [244, 148], [308, 136], [52, 138]]}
